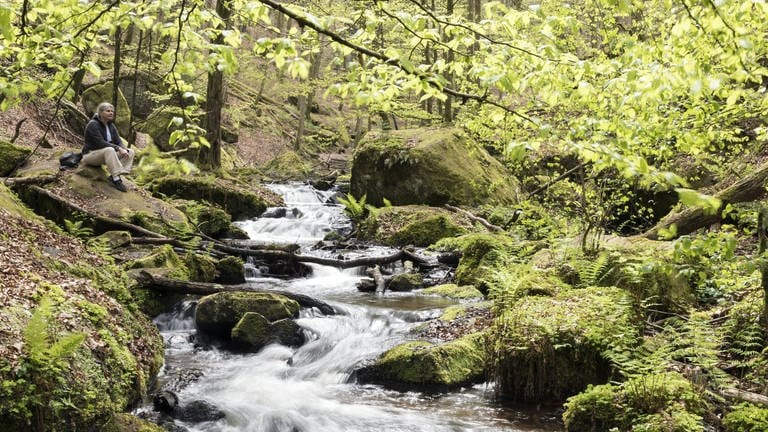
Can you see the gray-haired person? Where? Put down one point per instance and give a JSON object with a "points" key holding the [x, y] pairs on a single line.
{"points": [[103, 146]]}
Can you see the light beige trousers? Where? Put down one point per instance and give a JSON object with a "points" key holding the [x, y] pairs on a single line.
{"points": [[116, 165]]}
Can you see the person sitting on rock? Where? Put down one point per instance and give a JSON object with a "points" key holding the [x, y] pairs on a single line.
{"points": [[103, 146]]}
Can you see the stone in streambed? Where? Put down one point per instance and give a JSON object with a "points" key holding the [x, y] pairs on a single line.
{"points": [[218, 313], [254, 331]]}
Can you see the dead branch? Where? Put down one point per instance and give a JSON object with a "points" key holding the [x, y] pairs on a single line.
{"points": [[24, 181], [339, 263], [481, 221]]}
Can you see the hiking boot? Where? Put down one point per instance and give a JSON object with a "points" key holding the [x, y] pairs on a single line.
{"points": [[118, 184]]}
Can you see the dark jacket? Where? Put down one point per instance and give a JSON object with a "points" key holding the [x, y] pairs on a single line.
{"points": [[96, 136]]}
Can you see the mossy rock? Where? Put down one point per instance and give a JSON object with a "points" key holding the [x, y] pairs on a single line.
{"points": [[428, 166], [162, 260], [413, 225], [113, 239], [553, 347], [218, 313], [210, 219], [160, 124], [96, 94], [230, 270], [236, 200], [288, 165], [746, 418], [124, 422], [483, 255], [202, 268], [254, 331], [464, 292], [405, 282], [520, 280], [10, 156], [422, 364], [651, 403]]}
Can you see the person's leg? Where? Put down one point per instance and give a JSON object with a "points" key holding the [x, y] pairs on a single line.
{"points": [[127, 161], [94, 158]]}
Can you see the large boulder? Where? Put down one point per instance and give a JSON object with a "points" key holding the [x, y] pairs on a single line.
{"points": [[10, 156], [96, 94], [254, 331], [422, 364], [217, 314], [413, 225], [550, 348], [160, 124], [239, 201], [428, 166]]}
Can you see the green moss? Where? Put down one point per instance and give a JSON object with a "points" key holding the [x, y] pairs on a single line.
{"points": [[650, 403], [208, 218], [558, 342], [124, 422], [288, 165], [413, 225], [164, 258], [202, 268], [746, 418], [422, 363], [236, 200], [230, 270], [405, 282], [251, 331], [465, 292], [218, 313], [428, 166], [10, 156], [159, 125]]}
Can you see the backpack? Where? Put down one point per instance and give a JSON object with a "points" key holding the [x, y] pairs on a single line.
{"points": [[70, 160]]}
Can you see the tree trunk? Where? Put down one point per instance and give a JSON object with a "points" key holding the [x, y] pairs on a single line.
{"points": [[116, 67], [214, 100]]}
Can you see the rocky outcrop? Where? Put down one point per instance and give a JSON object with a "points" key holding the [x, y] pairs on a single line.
{"points": [[237, 200], [422, 364], [11, 156], [428, 166]]}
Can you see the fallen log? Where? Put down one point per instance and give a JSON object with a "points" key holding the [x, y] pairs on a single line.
{"points": [[690, 219], [163, 284], [339, 263], [745, 396], [256, 245], [23, 181]]}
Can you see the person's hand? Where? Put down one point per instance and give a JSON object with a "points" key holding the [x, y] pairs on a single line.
{"points": [[122, 152]]}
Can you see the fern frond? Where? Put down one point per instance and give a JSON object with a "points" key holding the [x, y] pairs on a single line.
{"points": [[66, 346], [36, 331]]}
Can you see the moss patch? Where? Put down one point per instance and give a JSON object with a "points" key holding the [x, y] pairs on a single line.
{"points": [[746, 418], [413, 225], [288, 165], [421, 363], [10, 156], [465, 292], [237, 200], [550, 348], [428, 166], [218, 313]]}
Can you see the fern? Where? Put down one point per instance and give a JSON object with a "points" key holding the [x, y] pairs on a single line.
{"points": [[77, 229], [36, 331], [596, 271], [355, 209]]}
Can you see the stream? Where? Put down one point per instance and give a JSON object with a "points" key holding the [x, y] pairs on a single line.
{"points": [[309, 389]]}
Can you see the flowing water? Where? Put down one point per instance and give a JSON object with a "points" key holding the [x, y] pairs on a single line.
{"points": [[308, 389]]}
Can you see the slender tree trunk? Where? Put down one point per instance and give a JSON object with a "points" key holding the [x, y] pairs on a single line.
{"points": [[116, 67], [448, 104], [215, 96], [762, 235]]}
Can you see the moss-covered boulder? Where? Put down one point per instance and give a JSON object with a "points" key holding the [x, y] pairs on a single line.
{"points": [[202, 268], [254, 331], [651, 403], [413, 225], [160, 124], [464, 292], [113, 239], [217, 314], [73, 348], [428, 166], [553, 347], [163, 261], [237, 200], [96, 94], [210, 219], [288, 165], [230, 270], [483, 255], [422, 364], [405, 282], [10, 156]]}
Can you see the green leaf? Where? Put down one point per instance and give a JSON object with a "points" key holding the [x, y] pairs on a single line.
{"points": [[693, 198]]}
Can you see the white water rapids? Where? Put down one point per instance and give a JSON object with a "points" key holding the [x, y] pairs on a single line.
{"points": [[308, 389]]}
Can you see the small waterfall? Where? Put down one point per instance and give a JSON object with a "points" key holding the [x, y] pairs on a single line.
{"points": [[308, 389]]}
